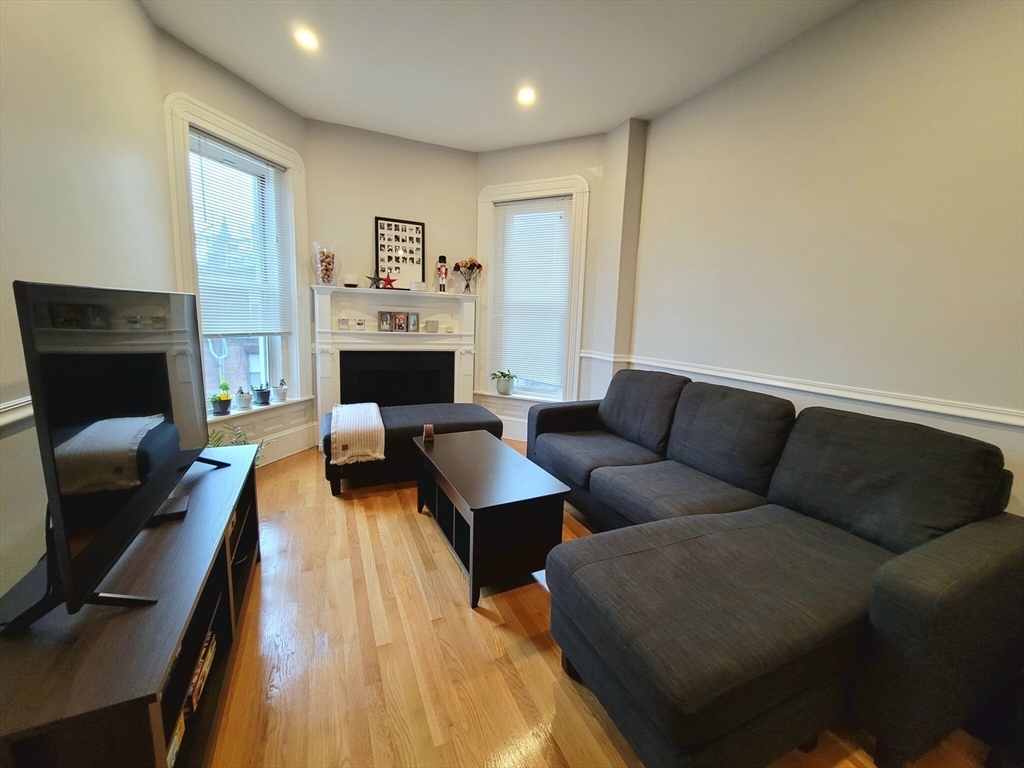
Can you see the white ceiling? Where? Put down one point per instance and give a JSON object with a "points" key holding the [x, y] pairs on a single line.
{"points": [[447, 72]]}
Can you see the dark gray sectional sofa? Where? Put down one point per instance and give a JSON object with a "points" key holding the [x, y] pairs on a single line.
{"points": [[771, 576]]}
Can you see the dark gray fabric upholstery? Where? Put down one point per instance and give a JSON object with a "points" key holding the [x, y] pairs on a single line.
{"points": [[754, 744], [1005, 489], [893, 483], [406, 421], [574, 455], [667, 489], [947, 627], [732, 434], [401, 424], [639, 406], [597, 516], [580, 416], [711, 620]]}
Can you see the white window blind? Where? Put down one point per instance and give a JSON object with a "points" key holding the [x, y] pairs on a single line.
{"points": [[529, 293], [237, 212]]}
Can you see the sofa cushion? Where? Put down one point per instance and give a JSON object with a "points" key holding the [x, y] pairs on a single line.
{"points": [[732, 434], [574, 455], [710, 620], [667, 489], [893, 483], [639, 406]]}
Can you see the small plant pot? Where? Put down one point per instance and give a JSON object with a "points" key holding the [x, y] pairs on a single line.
{"points": [[221, 407], [244, 402], [280, 394], [262, 396], [504, 386]]}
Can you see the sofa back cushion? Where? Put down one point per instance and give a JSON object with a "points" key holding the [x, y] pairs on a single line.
{"points": [[639, 406], [893, 483], [732, 434]]}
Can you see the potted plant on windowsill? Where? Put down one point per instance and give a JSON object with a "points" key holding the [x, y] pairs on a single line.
{"points": [[243, 399], [221, 402], [281, 391], [503, 381], [261, 394]]}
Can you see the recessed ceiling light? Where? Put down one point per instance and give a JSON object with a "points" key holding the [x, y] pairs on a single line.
{"points": [[306, 39], [526, 96]]}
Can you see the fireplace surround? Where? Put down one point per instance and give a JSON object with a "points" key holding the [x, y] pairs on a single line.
{"points": [[456, 313]]}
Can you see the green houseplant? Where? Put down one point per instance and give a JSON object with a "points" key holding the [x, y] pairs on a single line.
{"points": [[503, 381], [221, 401], [243, 399], [262, 394], [281, 391], [235, 435]]}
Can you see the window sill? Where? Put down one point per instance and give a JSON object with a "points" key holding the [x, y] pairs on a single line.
{"points": [[518, 396], [236, 413]]}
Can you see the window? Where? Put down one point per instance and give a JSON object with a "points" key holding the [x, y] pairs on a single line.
{"points": [[241, 263], [529, 295]]}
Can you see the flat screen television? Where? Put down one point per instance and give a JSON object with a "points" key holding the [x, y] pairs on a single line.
{"points": [[120, 413]]}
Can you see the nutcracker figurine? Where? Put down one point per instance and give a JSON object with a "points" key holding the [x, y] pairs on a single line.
{"points": [[442, 274]]}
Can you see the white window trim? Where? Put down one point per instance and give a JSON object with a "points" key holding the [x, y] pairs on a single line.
{"points": [[525, 190], [181, 112]]}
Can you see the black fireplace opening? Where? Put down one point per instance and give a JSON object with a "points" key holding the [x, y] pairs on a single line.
{"points": [[397, 378]]}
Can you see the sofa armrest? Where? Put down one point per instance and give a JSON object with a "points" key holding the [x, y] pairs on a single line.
{"points": [[579, 416], [947, 626]]}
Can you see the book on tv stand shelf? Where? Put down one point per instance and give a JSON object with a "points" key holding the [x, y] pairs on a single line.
{"points": [[122, 681]]}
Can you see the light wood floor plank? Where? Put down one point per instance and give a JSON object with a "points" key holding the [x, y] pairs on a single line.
{"points": [[359, 649]]}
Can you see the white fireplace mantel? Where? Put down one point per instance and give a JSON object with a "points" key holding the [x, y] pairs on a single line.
{"points": [[450, 310]]}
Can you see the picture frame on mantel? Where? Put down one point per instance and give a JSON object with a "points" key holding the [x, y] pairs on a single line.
{"points": [[401, 247]]}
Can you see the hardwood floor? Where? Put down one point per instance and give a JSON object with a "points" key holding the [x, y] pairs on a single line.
{"points": [[359, 648]]}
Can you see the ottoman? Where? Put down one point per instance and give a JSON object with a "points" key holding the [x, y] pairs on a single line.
{"points": [[401, 424], [715, 640]]}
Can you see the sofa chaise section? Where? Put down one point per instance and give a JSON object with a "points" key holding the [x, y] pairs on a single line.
{"points": [[712, 621], [881, 573]]}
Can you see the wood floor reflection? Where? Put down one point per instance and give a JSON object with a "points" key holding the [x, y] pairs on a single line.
{"points": [[359, 648]]}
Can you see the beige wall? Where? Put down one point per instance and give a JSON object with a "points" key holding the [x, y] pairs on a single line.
{"points": [[354, 175], [613, 261], [84, 197], [586, 157], [183, 70], [849, 211]]}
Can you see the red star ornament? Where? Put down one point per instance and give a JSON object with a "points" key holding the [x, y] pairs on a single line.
{"points": [[388, 281]]}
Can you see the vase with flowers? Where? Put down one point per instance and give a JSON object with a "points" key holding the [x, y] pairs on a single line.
{"points": [[468, 270]]}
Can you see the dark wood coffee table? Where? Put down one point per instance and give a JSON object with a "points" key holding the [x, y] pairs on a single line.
{"points": [[499, 511]]}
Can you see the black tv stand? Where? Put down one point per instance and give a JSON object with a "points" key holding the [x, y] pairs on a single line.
{"points": [[213, 462], [110, 686], [119, 601], [173, 508], [26, 610]]}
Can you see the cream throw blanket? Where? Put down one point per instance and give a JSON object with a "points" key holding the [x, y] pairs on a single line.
{"points": [[357, 433], [102, 456]]}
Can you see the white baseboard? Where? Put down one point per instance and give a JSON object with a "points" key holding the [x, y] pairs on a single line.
{"points": [[513, 429], [289, 442]]}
